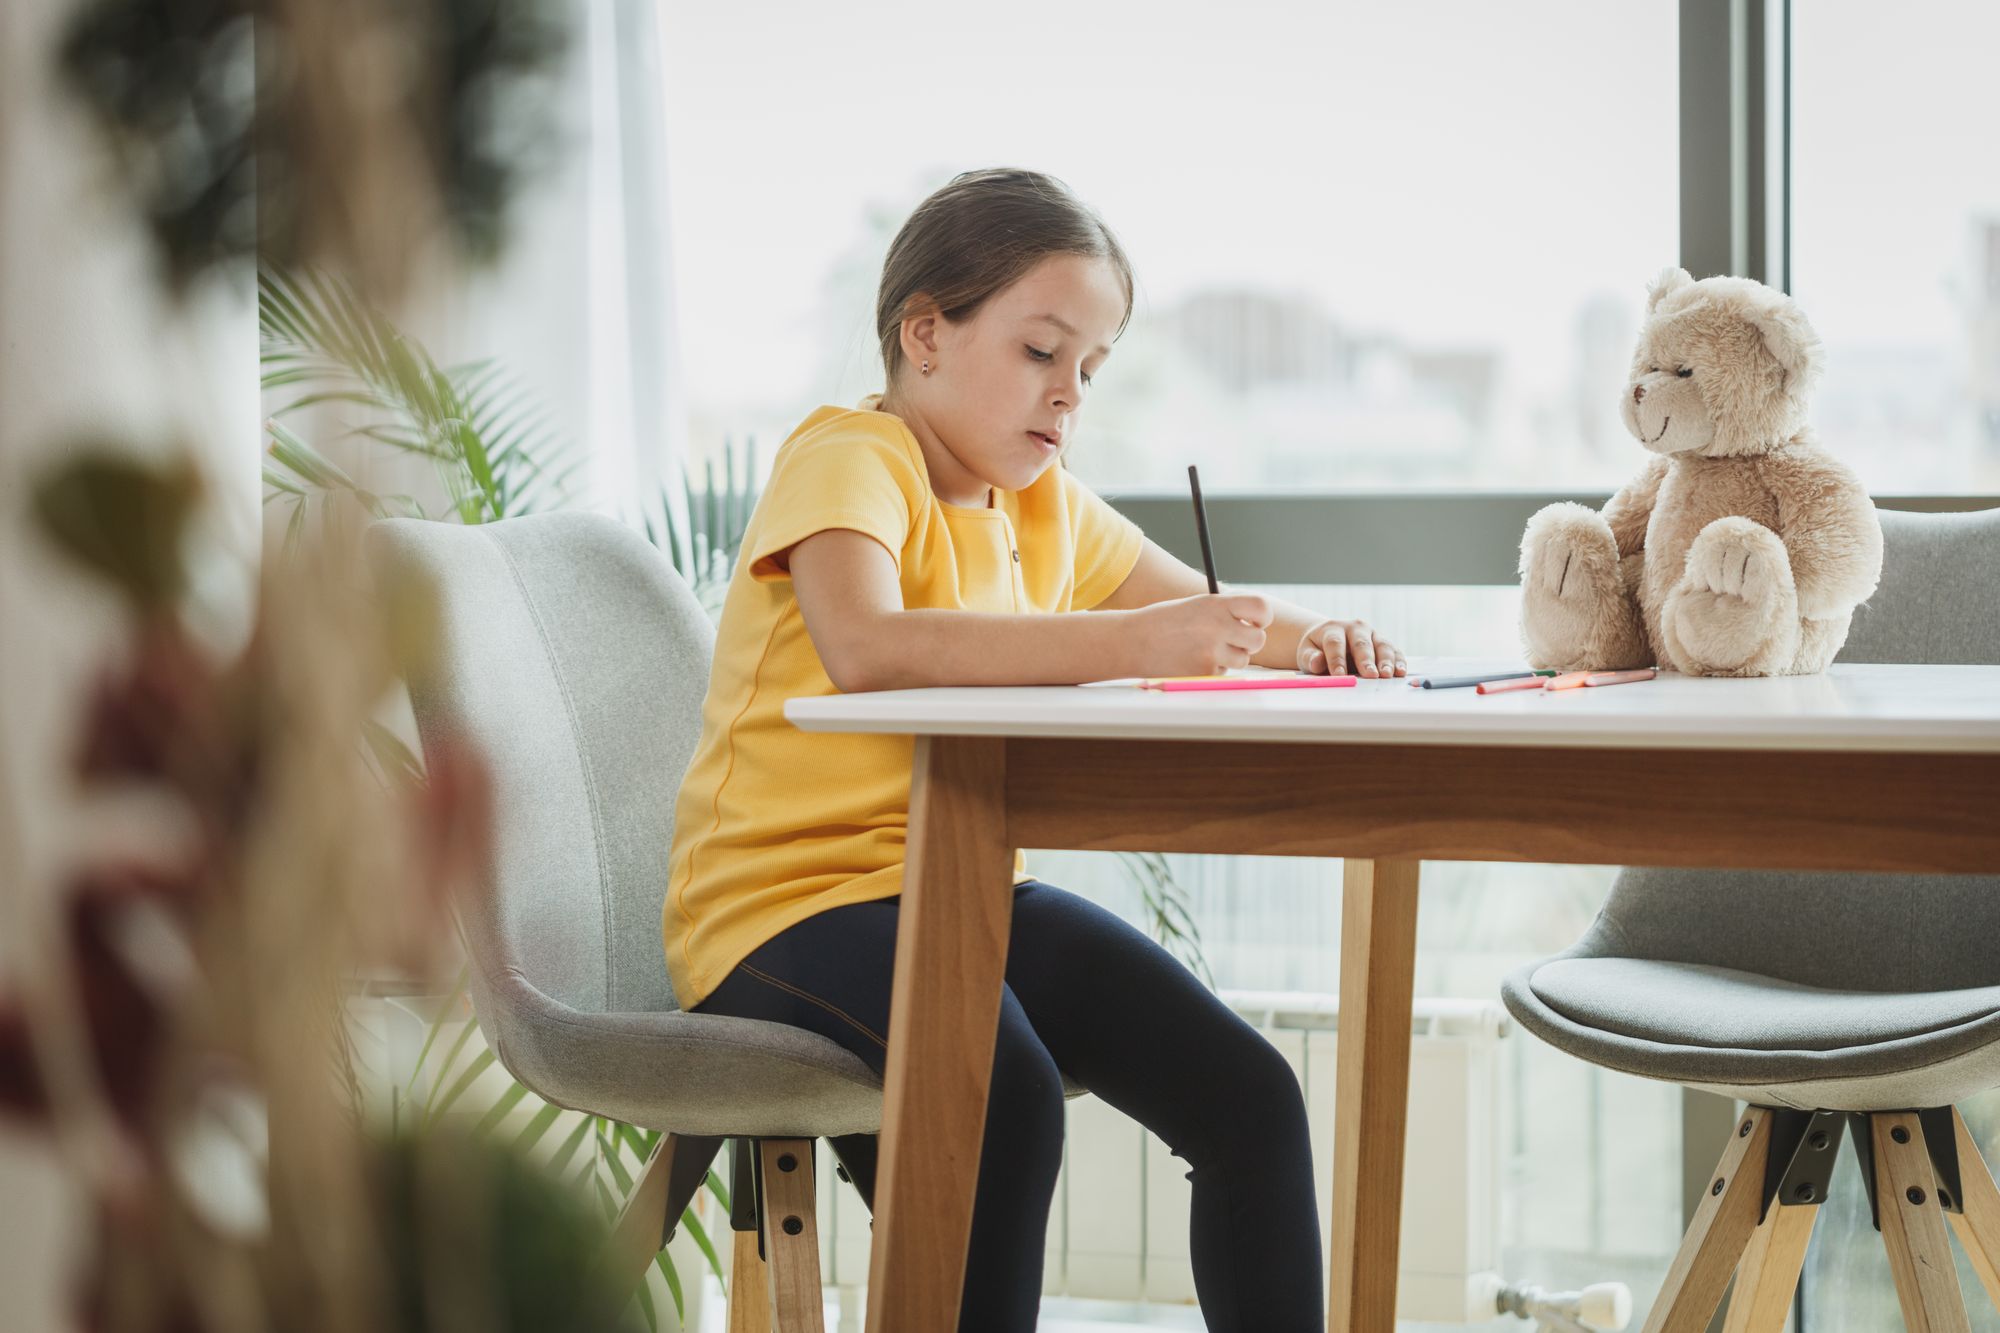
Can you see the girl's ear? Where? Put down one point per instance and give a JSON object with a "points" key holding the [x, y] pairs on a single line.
{"points": [[920, 330]]}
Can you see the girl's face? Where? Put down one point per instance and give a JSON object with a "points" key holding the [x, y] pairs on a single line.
{"points": [[1006, 388]]}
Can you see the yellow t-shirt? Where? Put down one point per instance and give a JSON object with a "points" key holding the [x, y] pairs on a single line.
{"points": [[774, 824]]}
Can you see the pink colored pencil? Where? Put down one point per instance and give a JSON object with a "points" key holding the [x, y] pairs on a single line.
{"points": [[1253, 683]]}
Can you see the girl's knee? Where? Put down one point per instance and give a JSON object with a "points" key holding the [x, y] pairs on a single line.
{"points": [[1025, 1101], [1275, 1083], [1261, 1100]]}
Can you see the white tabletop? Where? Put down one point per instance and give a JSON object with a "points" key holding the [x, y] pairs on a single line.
{"points": [[1927, 709]]}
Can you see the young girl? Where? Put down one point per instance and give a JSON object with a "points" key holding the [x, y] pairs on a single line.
{"points": [[933, 538]]}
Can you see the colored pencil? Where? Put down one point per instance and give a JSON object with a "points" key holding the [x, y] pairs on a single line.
{"points": [[1250, 683], [1468, 682], [1201, 527], [1517, 683], [1620, 677]]}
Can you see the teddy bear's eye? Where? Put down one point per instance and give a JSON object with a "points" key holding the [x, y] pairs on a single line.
{"points": [[1684, 372]]}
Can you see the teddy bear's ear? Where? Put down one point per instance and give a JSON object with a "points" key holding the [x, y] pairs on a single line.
{"points": [[1790, 341], [1669, 280]]}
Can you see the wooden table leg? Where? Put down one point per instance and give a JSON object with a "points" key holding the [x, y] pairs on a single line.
{"points": [[951, 960], [1378, 948]]}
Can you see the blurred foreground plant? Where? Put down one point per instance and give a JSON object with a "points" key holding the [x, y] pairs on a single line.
{"points": [[182, 1005], [359, 134]]}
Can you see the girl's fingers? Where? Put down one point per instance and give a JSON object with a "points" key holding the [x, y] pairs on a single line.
{"points": [[1251, 607], [1315, 662], [1247, 637], [1361, 650]]}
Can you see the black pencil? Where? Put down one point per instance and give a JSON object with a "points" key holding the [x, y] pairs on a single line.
{"points": [[1201, 526]]}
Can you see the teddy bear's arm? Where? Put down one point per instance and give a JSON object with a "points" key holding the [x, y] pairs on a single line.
{"points": [[1629, 511], [1831, 534]]}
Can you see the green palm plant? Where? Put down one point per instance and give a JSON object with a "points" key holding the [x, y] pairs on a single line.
{"points": [[492, 444], [704, 551]]}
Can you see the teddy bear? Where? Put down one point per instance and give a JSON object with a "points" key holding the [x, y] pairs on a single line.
{"points": [[1742, 548]]}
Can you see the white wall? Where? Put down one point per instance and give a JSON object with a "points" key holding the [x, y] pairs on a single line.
{"points": [[86, 346]]}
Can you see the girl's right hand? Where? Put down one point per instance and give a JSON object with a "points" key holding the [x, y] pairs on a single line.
{"points": [[1201, 636]]}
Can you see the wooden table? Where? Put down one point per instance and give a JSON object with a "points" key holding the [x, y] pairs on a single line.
{"points": [[1863, 768]]}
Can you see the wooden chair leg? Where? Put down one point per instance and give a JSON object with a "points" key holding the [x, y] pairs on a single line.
{"points": [[1978, 1226], [665, 1187], [787, 1212], [1769, 1273], [1719, 1234], [749, 1288], [1913, 1226]]}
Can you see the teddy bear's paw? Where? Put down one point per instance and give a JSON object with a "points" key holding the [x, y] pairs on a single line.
{"points": [[1572, 586], [1735, 611], [1566, 552], [1738, 558]]}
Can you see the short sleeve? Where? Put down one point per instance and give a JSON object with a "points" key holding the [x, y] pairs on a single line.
{"points": [[1107, 543], [860, 479]]}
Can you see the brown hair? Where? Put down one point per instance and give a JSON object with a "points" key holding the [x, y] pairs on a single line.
{"points": [[977, 235]]}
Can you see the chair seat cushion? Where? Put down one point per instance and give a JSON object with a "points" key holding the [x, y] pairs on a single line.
{"points": [[1761, 1039], [704, 1074], [1693, 1004]]}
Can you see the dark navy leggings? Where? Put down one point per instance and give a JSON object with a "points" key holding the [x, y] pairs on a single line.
{"points": [[1090, 996]]}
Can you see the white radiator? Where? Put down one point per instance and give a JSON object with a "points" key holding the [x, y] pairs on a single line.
{"points": [[1119, 1228]]}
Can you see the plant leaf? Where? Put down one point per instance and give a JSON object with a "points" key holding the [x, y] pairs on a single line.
{"points": [[533, 1132], [571, 1144], [720, 1191], [479, 1065], [497, 1112], [614, 1161], [700, 1234], [665, 1263], [464, 1036], [645, 1299], [122, 519]]}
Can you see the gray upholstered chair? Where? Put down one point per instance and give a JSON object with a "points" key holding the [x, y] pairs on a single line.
{"points": [[1823, 1001], [575, 659]]}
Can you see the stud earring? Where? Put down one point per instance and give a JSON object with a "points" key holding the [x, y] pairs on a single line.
{"points": [[927, 367]]}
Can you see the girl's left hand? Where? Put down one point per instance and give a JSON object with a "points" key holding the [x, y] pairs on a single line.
{"points": [[1342, 647]]}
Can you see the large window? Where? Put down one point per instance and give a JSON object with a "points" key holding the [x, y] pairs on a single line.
{"points": [[1377, 245], [1380, 247], [1896, 234]]}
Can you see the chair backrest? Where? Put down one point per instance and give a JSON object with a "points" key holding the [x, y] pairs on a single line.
{"points": [[1939, 599], [576, 660], [1938, 602]]}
